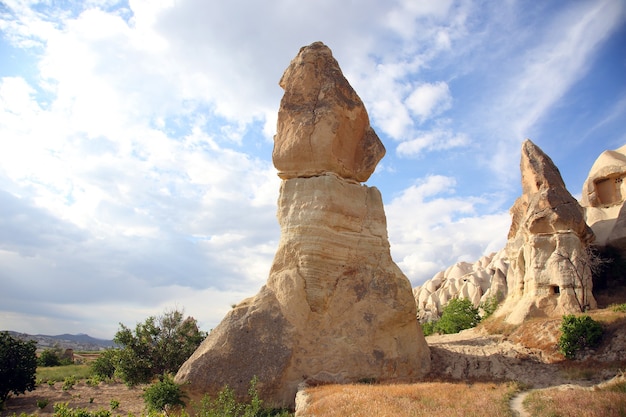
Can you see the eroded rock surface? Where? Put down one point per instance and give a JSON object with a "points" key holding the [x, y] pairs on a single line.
{"points": [[603, 196], [322, 123], [477, 282], [546, 247], [335, 308]]}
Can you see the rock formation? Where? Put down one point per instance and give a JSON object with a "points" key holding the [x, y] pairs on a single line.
{"points": [[477, 282], [603, 196], [549, 270], [335, 308]]}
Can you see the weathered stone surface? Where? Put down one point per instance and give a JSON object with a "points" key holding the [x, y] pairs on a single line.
{"points": [[603, 196], [322, 123], [546, 248], [335, 308], [477, 282]]}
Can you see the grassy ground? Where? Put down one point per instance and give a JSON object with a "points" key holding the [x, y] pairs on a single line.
{"points": [[430, 399], [555, 402], [60, 373]]}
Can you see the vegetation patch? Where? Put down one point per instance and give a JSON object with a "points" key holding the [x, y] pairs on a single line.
{"points": [[610, 401], [432, 399], [578, 332]]}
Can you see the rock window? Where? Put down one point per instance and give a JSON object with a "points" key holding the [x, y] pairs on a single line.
{"points": [[555, 289], [609, 190]]}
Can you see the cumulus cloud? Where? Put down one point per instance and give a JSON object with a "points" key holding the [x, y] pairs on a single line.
{"points": [[430, 228], [429, 100]]}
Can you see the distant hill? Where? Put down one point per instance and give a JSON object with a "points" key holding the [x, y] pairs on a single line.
{"points": [[78, 342]]}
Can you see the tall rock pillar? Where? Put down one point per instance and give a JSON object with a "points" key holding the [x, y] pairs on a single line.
{"points": [[549, 271], [335, 308]]}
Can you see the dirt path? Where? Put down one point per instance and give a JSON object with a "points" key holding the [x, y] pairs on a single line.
{"points": [[517, 404]]}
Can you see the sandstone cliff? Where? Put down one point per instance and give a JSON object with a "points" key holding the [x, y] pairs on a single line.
{"points": [[335, 308]]}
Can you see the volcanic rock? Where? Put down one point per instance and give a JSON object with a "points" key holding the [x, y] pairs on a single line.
{"points": [[335, 307], [322, 123], [477, 282], [603, 196], [547, 244]]}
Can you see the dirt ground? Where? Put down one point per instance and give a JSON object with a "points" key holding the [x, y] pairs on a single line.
{"points": [[81, 396]]}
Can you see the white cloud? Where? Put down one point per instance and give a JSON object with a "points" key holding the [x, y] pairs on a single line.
{"points": [[434, 140], [428, 100], [431, 229]]}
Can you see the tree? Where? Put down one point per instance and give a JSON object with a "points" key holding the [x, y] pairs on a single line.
{"points": [[104, 365], [583, 267], [459, 314], [157, 346], [18, 365]]}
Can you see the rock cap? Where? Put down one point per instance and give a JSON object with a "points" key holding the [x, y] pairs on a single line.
{"points": [[323, 125]]}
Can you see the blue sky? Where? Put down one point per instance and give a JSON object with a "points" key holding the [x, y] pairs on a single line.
{"points": [[136, 138]]}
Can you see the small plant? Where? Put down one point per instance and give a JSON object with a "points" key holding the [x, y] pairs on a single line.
{"points": [[42, 403], [69, 382], [163, 395], [91, 400], [114, 405], [578, 333], [490, 305], [619, 308], [51, 382]]}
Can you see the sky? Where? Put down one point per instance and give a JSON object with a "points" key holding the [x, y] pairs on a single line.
{"points": [[136, 138]]}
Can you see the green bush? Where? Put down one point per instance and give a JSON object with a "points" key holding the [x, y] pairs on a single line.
{"points": [[63, 410], [157, 346], [429, 327], [163, 395], [69, 382], [104, 365], [49, 357], [578, 332], [459, 314], [489, 306], [226, 405], [18, 366]]}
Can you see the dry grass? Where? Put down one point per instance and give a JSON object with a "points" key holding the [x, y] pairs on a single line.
{"points": [[556, 402], [424, 399]]}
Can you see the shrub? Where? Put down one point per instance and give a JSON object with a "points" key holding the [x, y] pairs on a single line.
{"points": [[226, 405], [163, 395], [68, 383], [490, 305], [429, 327], [49, 357], [578, 333], [459, 314], [104, 365], [42, 403], [18, 366], [157, 346], [115, 404]]}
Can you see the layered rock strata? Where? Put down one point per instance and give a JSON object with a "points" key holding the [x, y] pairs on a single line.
{"points": [[335, 308], [547, 244]]}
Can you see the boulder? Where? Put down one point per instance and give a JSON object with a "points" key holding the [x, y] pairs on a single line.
{"points": [[547, 245], [322, 123], [603, 196], [335, 307]]}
